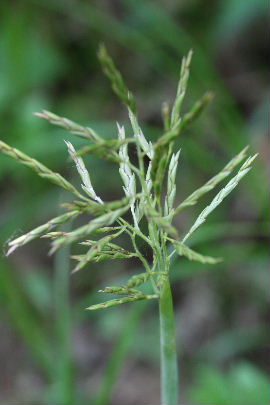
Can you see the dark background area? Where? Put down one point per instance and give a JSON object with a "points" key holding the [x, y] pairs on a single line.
{"points": [[51, 349]]}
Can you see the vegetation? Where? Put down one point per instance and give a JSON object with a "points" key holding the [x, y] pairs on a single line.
{"points": [[48, 59], [153, 161]]}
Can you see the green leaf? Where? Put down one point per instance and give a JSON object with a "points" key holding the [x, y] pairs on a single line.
{"points": [[242, 384]]}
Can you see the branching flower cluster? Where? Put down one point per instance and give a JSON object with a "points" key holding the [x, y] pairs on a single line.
{"points": [[143, 192]]}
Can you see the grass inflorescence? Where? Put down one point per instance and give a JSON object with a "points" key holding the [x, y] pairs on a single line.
{"points": [[144, 184]]}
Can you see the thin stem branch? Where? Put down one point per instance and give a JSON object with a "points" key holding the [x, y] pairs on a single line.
{"points": [[137, 231]]}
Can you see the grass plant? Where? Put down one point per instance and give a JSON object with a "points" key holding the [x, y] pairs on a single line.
{"points": [[145, 213]]}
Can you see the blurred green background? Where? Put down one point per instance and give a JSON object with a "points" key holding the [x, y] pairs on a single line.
{"points": [[51, 349]]}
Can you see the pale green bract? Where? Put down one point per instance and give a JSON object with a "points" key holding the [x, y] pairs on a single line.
{"points": [[83, 172]]}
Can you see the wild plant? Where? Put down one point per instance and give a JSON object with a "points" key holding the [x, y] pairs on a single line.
{"points": [[146, 211]]}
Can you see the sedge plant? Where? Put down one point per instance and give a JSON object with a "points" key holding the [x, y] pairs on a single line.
{"points": [[145, 213]]}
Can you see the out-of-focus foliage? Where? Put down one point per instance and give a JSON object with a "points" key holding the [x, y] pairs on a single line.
{"points": [[48, 60], [243, 384]]}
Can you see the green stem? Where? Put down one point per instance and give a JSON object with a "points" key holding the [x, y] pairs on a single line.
{"points": [[169, 372]]}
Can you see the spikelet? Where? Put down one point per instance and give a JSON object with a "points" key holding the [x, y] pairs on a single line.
{"points": [[85, 230], [116, 79], [120, 301], [121, 290], [165, 112], [87, 185], [96, 248], [147, 147], [128, 177], [182, 123], [220, 196], [181, 89], [71, 126], [138, 279], [141, 206], [190, 254], [175, 127], [40, 230], [192, 199], [107, 254], [171, 187], [39, 168]]}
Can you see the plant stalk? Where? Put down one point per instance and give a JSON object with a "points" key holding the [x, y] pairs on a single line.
{"points": [[169, 369]]}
